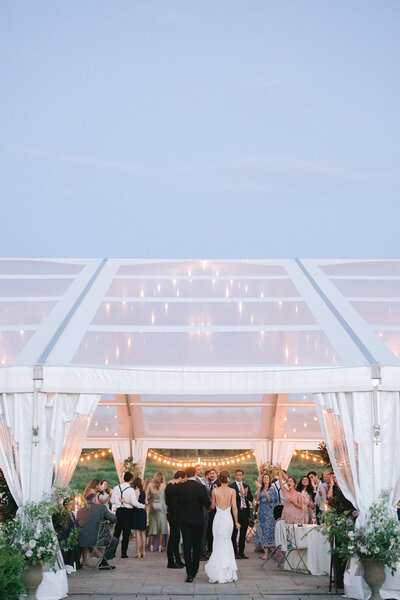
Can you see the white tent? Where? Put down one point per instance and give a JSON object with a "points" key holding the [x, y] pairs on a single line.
{"points": [[271, 355]]}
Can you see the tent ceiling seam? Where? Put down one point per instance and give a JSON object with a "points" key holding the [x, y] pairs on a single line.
{"points": [[352, 334], [46, 352]]}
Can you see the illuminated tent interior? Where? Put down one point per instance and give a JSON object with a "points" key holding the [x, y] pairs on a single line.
{"points": [[188, 353]]}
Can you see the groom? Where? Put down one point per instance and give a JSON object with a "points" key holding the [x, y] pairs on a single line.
{"points": [[193, 497]]}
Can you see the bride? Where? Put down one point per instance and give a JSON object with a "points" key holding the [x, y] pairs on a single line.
{"points": [[221, 568]]}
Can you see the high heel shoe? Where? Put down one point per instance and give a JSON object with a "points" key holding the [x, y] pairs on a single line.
{"points": [[160, 549], [151, 548]]}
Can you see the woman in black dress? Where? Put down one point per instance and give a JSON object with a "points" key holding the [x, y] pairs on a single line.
{"points": [[140, 519]]}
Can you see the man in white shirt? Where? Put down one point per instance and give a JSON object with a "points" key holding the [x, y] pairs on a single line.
{"points": [[123, 497]]}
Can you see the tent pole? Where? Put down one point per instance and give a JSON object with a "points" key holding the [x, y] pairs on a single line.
{"points": [[377, 442], [130, 425]]}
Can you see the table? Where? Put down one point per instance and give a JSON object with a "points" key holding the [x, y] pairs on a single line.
{"points": [[311, 545]]}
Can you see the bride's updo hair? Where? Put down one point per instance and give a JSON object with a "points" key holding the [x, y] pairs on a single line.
{"points": [[224, 476]]}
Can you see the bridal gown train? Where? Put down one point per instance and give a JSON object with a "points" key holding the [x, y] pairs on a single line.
{"points": [[221, 568]]}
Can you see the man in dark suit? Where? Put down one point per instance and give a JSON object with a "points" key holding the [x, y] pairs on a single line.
{"points": [[211, 483], [172, 502], [193, 497], [243, 497], [88, 520]]}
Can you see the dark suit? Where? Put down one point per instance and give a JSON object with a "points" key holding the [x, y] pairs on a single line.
{"points": [[211, 515], [88, 520], [243, 517], [193, 498], [172, 503]]}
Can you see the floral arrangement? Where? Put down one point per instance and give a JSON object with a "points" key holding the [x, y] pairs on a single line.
{"points": [[67, 532], [38, 527], [31, 534], [132, 467], [268, 468], [378, 539]]}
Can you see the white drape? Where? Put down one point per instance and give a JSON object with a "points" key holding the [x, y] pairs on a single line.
{"points": [[120, 450], [261, 448], [82, 408], [140, 453], [283, 452], [41, 437], [347, 422]]}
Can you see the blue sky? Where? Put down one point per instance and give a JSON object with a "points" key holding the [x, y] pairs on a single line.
{"points": [[200, 129]]}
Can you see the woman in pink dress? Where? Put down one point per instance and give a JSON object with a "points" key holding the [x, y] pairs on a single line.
{"points": [[305, 488], [293, 501]]}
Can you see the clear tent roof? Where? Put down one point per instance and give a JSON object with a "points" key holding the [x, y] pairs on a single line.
{"points": [[122, 313], [129, 313]]}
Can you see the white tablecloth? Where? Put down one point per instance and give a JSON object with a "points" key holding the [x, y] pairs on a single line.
{"points": [[312, 546]]}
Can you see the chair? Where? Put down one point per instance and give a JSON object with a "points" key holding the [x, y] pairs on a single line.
{"points": [[293, 548], [103, 541], [269, 553]]}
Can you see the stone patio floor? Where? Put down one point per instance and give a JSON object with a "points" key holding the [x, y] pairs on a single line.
{"points": [[149, 579]]}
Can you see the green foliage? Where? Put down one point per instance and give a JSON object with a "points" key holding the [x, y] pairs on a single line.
{"points": [[31, 534], [61, 519], [323, 451], [12, 567], [101, 468], [128, 466], [8, 507], [378, 539]]}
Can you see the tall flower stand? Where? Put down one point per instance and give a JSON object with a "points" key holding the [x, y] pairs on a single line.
{"points": [[374, 575], [32, 578]]}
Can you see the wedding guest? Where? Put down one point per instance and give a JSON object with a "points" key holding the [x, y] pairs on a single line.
{"points": [[243, 498], [278, 508], [212, 481], [123, 497], [174, 559], [334, 488], [266, 497], [203, 549], [322, 490], [306, 490], [140, 519], [293, 503], [88, 520], [314, 479], [92, 488], [157, 510], [104, 494]]}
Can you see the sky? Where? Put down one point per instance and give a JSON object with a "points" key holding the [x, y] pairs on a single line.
{"points": [[179, 129]]}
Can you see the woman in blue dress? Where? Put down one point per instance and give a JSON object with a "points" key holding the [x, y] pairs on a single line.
{"points": [[267, 499]]}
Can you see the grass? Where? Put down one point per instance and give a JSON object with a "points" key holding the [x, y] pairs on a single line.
{"points": [[104, 468]]}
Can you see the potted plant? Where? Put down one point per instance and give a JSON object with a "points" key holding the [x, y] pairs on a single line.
{"points": [[30, 534], [376, 543]]}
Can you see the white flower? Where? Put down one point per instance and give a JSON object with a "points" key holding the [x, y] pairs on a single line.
{"points": [[376, 549], [351, 534], [363, 549], [32, 543], [28, 553]]}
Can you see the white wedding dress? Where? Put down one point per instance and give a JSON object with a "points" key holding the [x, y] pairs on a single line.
{"points": [[222, 568]]}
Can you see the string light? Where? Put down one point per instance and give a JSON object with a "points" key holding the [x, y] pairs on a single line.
{"points": [[306, 455], [212, 462], [94, 454]]}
